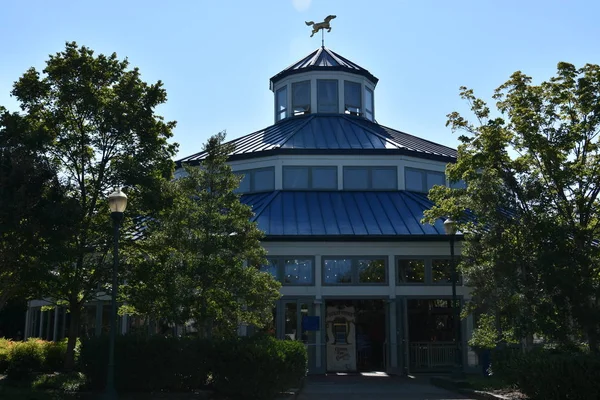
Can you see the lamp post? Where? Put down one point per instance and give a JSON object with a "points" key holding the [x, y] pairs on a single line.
{"points": [[450, 228], [117, 201]]}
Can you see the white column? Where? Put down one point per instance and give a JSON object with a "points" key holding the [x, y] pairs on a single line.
{"points": [[124, 324], [392, 276], [41, 330], [27, 322], [64, 324], [393, 336], [55, 330], [318, 302], [318, 350], [99, 305]]}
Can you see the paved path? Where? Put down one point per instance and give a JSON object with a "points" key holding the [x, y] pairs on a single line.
{"points": [[357, 387]]}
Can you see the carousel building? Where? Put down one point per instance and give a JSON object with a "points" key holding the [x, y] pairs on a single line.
{"points": [[365, 285]]}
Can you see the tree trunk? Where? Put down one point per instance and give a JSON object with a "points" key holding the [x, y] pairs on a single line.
{"points": [[75, 310]]}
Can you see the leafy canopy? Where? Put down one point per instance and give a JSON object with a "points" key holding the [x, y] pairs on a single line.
{"points": [[93, 119], [532, 175], [197, 257]]}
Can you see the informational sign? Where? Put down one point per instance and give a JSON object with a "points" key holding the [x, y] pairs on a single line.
{"points": [[310, 323], [341, 339]]}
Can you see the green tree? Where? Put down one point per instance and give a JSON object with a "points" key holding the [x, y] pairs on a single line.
{"points": [[532, 175], [197, 258], [32, 204], [94, 120]]}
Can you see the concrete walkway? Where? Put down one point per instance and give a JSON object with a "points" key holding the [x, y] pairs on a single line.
{"points": [[377, 387]]}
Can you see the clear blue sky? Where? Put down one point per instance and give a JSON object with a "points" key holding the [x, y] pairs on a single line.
{"points": [[216, 57]]}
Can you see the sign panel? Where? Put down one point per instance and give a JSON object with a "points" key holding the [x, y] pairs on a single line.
{"points": [[341, 343], [311, 323]]}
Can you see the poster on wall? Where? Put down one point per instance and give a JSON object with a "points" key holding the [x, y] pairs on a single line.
{"points": [[341, 343]]}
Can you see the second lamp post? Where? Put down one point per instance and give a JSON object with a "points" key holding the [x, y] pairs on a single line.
{"points": [[450, 229], [117, 201]]}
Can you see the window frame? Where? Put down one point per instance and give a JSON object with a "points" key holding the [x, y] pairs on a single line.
{"points": [[251, 173], [371, 111], [428, 273], [354, 271], [370, 170], [281, 269], [337, 96], [311, 172], [284, 111], [423, 173], [354, 107], [307, 109]]}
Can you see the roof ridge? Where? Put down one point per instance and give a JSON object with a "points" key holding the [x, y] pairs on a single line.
{"points": [[339, 57], [374, 133], [417, 137], [310, 118], [270, 197]]}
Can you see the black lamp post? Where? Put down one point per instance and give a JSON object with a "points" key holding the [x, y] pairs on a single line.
{"points": [[450, 228], [117, 201]]}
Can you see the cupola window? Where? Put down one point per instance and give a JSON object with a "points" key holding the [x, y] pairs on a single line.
{"points": [[327, 96], [281, 103], [301, 98], [352, 97], [369, 104]]}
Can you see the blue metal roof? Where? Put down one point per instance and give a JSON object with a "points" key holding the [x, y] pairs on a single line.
{"points": [[323, 59], [343, 215], [331, 134]]}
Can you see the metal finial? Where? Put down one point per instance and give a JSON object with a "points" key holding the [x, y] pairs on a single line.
{"points": [[321, 26]]}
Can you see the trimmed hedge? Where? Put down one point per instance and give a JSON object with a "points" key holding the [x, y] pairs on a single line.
{"points": [[251, 368], [544, 374], [257, 367], [148, 363], [21, 360]]}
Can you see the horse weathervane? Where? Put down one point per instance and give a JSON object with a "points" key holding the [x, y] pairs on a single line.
{"points": [[321, 26]]}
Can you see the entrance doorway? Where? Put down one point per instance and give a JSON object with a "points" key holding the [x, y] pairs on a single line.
{"points": [[356, 335]]}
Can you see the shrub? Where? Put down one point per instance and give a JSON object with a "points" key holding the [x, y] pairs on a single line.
{"points": [[253, 368], [550, 374], [54, 355], [25, 359], [148, 363], [66, 382], [5, 349], [257, 367], [543, 375]]}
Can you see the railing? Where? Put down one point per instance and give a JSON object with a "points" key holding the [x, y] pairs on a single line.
{"points": [[431, 355]]}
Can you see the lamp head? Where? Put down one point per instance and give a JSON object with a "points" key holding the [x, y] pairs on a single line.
{"points": [[117, 201], [450, 226]]}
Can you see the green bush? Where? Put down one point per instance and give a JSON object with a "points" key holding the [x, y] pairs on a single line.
{"points": [[257, 367], [148, 363], [547, 376], [54, 355], [253, 368], [550, 374], [65, 382], [25, 359], [5, 349]]}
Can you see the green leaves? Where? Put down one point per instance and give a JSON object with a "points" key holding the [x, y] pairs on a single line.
{"points": [[92, 120], [532, 184], [197, 258]]}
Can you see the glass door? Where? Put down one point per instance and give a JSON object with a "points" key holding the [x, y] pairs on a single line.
{"points": [[294, 324]]}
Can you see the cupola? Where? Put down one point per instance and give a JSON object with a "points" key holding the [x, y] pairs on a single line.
{"points": [[324, 83]]}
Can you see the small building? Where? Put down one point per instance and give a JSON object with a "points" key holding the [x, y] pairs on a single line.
{"points": [[365, 285]]}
